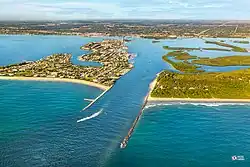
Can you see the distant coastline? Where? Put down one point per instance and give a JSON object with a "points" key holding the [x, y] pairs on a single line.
{"points": [[78, 81]]}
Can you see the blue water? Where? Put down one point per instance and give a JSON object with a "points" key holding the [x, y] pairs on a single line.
{"points": [[189, 136], [38, 119]]}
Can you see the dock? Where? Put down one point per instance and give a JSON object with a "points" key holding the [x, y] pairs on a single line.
{"points": [[131, 130], [93, 101], [89, 100]]}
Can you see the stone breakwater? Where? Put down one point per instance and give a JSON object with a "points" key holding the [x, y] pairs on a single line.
{"points": [[124, 143]]}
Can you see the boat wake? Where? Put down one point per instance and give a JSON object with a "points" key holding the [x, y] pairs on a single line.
{"points": [[90, 117], [196, 104]]}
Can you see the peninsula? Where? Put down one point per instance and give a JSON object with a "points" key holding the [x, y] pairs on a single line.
{"points": [[181, 55], [237, 60], [191, 49], [58, 67], [234, 48]]}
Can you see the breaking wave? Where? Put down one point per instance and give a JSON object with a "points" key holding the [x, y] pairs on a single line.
{"points": [[196, 104]]}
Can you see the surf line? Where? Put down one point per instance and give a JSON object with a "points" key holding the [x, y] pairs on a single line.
{"points": [[90, 104], [90, 117], [131, 130]]}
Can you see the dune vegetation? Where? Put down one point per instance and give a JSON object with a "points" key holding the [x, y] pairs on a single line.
{"points": [[224, 85]]}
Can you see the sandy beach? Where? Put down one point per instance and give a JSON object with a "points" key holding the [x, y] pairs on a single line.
{"points": [[213, 100], [78, 81]]}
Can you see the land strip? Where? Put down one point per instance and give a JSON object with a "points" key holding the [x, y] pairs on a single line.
{"points": [[191, 49], [224, 61], [185, 66], [234, 48], [241, 41], [181, 55]]}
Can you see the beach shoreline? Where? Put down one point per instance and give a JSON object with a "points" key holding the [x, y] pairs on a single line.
{"points": [[196, 100], [46, 79]]}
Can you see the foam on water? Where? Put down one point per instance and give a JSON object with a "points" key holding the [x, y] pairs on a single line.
{"points": [[90, 117], [196, 104]]}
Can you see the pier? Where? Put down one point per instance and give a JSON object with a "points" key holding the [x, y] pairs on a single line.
{"points": [[93, 101], [131, 130]]}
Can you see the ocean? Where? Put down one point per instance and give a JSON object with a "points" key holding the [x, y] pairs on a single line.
{"points": [[38, 120]]}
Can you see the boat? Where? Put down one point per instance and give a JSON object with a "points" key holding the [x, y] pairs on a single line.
{"points": [[238, 158], [132, 56], [123, 144]]}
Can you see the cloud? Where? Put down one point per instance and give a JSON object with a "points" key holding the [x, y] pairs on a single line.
{"points": [[123, 9]]}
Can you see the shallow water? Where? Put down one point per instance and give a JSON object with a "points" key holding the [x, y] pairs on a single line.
{"points": [[38, 119]]}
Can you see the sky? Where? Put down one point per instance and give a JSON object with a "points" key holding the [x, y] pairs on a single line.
{"points": [[124, 9]]}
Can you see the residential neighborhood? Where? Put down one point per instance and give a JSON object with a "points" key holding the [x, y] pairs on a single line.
{"points": [[111, 54]]}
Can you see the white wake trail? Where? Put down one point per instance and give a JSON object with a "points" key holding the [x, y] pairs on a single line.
{"points": [[90, 117]]}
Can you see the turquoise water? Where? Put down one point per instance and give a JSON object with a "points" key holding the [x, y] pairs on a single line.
{"points": [[188, 135], [38, 119]]}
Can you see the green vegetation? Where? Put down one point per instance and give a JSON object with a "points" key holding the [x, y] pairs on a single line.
{"points": [[185, 66], [18, 64], [225, 85], [224, 61], [242, 42], [191, 49], [234, 48], [180, 48], [181, 55], [217, 49], [27, 73], [156, 41]]}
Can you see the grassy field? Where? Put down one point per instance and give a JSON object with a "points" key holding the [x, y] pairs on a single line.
{"points": [[191, 49], [181, 55], [242, 42], [224, 85], [185, 66], [224, 61], [155, 41], [234, 48]]}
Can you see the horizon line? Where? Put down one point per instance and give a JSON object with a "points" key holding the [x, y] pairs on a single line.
{"points": [[134, 19]]}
